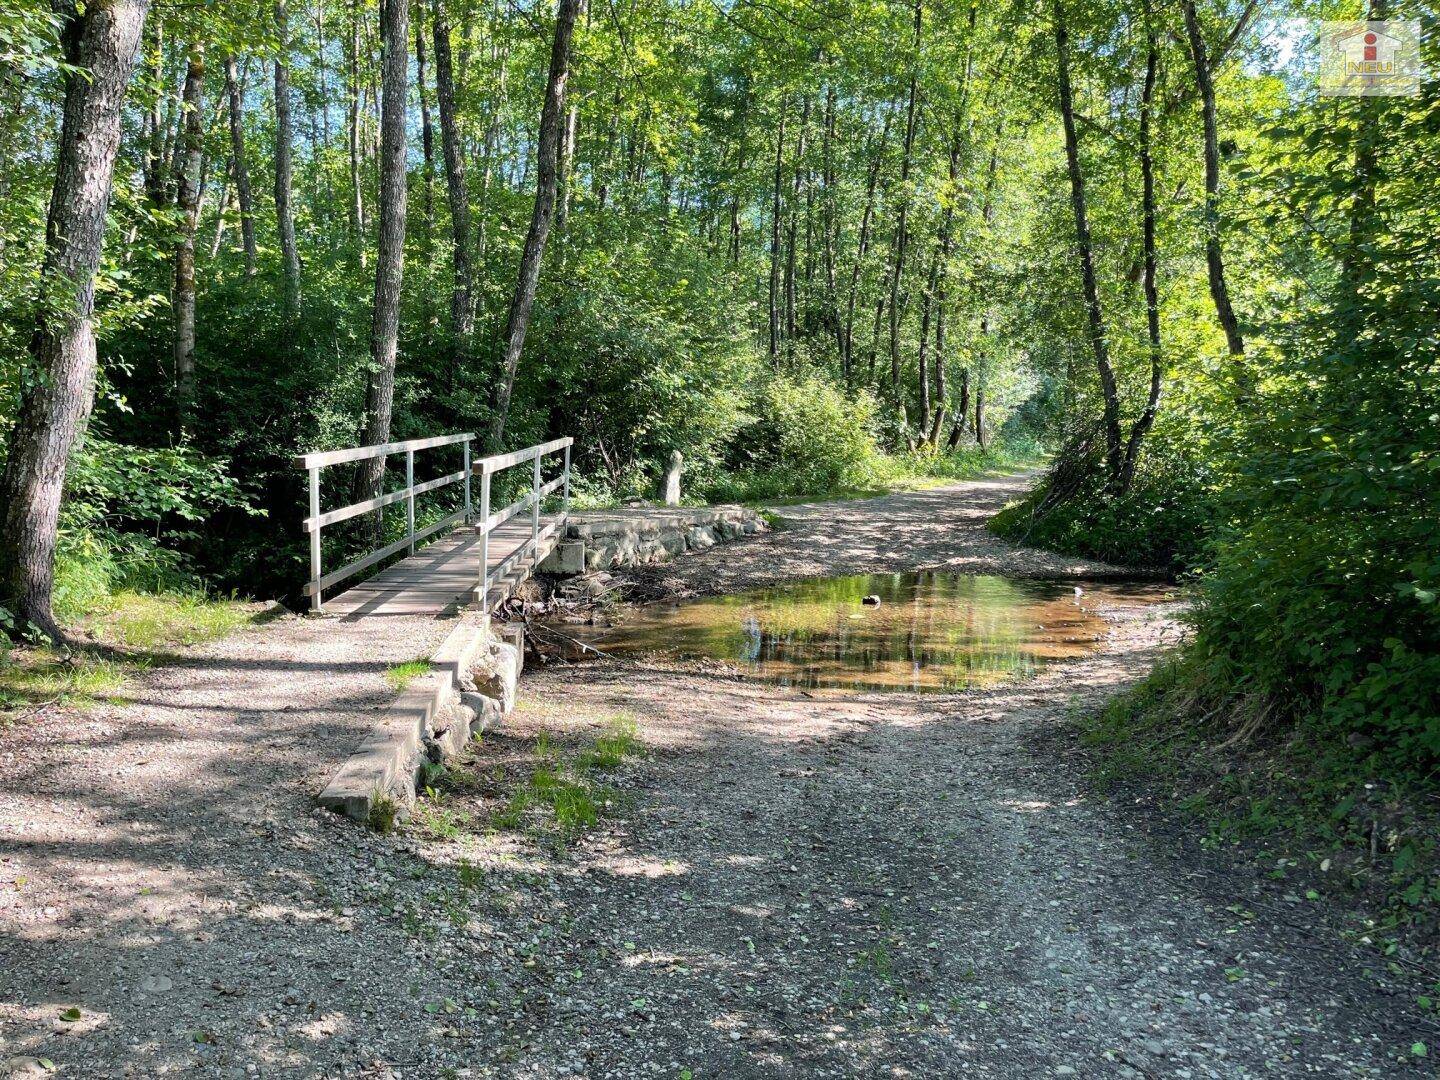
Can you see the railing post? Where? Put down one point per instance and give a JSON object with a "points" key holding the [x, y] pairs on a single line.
{"points": [[485, 539], [410, 498], [565, 502], [466, 446], [315, 606], [535, 512]]}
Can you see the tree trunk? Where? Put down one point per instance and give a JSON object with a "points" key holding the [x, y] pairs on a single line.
{"points": [[1099, 345], [187, 198], [284, 141], [547, 154], [1214, 257], [427, 131], [492, 151], [390, 250], [962, 406], [775, 212], [1152, 295], [902, 225], [357, 195], [827, 217], [922, 357], [981, 434], [791, 304], [847, 348], [239, 172], [154, 171], [568, 138], [220, 212], [462, 303], [101, 43]]}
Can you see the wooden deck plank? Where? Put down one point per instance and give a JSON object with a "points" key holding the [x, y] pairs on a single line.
{"points": [[440, 577]]}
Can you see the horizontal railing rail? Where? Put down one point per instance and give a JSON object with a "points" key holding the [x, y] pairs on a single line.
{"points": [[486, 522]]}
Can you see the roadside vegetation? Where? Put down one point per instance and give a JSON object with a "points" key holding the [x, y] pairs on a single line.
{"points": [[546, 788]]}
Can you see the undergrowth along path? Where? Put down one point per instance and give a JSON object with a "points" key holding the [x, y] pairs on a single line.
{"points": [[785, 884]]}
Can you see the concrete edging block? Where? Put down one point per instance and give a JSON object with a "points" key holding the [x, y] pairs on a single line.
{"points": [[384, 765]]}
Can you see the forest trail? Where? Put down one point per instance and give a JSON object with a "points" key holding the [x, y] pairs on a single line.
{"points": [[793, 885]]}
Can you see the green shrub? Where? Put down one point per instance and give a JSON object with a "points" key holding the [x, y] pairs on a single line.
{"points": [[805, 437], [1165, 520]]}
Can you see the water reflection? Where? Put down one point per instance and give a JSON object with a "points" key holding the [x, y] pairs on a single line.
{"points": [[931, 631]]}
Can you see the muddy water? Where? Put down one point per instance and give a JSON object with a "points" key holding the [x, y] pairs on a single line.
{"points": [[929, 631]]}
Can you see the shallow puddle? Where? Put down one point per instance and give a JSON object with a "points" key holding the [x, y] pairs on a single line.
{"points": [[930, 631]]}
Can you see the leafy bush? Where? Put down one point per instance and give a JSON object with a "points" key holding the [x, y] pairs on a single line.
{"points": [[806, 437], [1164, 520], [128, 517]]}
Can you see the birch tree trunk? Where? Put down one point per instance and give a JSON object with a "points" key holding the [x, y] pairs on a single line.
{"points": [[1099, 344], [187, 198], [239, 172], [462, 303], [284, 170], [546, 166], [101, 42], [390, 250], [568, 139]]}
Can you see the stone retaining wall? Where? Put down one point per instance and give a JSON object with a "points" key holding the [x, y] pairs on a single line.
{"points": [[634, 536]]}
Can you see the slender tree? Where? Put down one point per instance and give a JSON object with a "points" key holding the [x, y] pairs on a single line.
{"points": [[1214, 254], [427, 130], [775, 228], [188, 200], [1099, 343], [357, 197], [1146, 419], [239, 171], [547, 154], [462, 301], [390, 251], [867, 217], [284, 169], [100, 41], [901, 239]]}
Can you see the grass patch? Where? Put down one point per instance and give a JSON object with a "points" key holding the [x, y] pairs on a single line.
{"points": [[147, 623], [154, 620], [611, 748], [400, 675], [550, 789], [31, 678]]}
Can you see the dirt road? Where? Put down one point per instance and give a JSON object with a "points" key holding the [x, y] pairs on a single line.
{"points": [[787, 885]]}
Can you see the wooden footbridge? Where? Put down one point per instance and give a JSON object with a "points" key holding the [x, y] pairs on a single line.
{"points": [[478, 556]]}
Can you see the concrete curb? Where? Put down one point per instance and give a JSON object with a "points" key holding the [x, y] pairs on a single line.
{"points": [[427, 713]]}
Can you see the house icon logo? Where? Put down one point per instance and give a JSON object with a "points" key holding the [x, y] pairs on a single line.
{"points": [[1368, 52], [1370, 59]]}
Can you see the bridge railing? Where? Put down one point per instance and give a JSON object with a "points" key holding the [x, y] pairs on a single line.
{"points": [[486, 521]]}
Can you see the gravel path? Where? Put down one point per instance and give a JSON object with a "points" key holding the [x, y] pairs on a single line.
{"points": [[789, 885]]}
